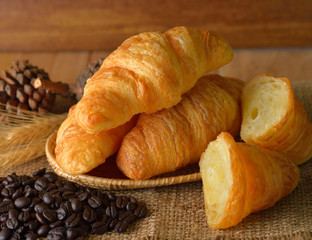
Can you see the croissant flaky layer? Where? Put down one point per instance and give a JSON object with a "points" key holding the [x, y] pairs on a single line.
{"points": [[274, 119], [172, 138], [149, 72], [239, 178], [78, 152]]}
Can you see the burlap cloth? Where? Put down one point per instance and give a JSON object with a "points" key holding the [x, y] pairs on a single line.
{"points": [[177, 212]]}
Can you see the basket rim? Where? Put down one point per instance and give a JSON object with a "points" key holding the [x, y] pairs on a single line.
{"points": [[114, 183]]}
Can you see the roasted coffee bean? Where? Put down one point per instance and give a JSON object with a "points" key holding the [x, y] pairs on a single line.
{"points": [[94, 201], [31, 236], [131, 218], [4, 217], [131, 206], [76, 204], [99, 227], [30, 192], [56, 234], [84, 226], [59, 183], [41, 184], [34, 202], [7, 192], [74, 233], [24, 217], [73, 220], [112, 223], [123, 215], [20, 229], [6, 205], [56, 224], [13, 213], [121, 226], [41, 218], [140, 211], [4, 234], [51, 187], [18, 193], [1, 186], [40, 172], [40, 207], [33, 225], [22, 202], [68, 195], [54, 191], [111, 211], [43, 230], [50, 215], [48, 198], [89, 215], [14, 185], [51, 176], [29, 182], [12, 223], [82, 195], [111, 196], [61, 213], [70, 186], [57, 201], [16, 236], [11, 178], [122, 202], [100, 212]]}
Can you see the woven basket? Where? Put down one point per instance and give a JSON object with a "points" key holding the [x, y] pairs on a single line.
{"points": [[187, 174]]}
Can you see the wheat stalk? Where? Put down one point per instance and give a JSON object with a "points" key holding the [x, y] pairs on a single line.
{"points": [[23, 137]]}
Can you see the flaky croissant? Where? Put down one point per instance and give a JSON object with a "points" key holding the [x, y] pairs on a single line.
{"points": [[274, 119], [78, 152], [172, 138], [147, 73], [240, 178]]}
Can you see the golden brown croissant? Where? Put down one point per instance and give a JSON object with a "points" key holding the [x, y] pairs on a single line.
{"points": [[172, 138], [78, 152], [147, 73], [239, 178], [274, 119]]}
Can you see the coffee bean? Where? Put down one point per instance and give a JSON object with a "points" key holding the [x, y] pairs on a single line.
{"points": [[50, 215], [121, 226], [22, 202], [51, 187], [7, 192], [89, 215], [6, 205], [73, 220], [99, 227], [31, 236], [24, 217], [4, 217], [41, 184], [76, 204], [131, 218], [11, 178], [13, 213], [29, 182], [20, 229], [112, 223], [140, 211], [123, 215], [68, 194], [18, 193], [4, 234], [40, 207], [16, 236], [131, 206], [56, 234], [57, 201], [56, 224], [82, 195], [111, 196], [12, 223], [43, 230], [30, 192], [34, 202], [111, 211], [51, 176], [14, 185], [74, 233], [70, 186], [122, 202], [61, 213], [48, 198], [94, 201], [33, 225], [41, 218], [40, 172]]}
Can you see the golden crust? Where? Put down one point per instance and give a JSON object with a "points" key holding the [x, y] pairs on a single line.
{"points": [[258, 179], [78, 152], [147, 73], [280, 123], [172, 138]]}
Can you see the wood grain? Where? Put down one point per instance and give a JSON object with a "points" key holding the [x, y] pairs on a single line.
{"points": [[65, 66], [103, 24]]}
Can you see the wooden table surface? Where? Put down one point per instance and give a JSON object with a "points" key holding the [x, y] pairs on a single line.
{"points": [[65, 66]]}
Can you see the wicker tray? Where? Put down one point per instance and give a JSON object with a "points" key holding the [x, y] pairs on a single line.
{"points": [[101, 176]]}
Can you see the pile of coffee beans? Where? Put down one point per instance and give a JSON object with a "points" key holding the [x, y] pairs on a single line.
{"points": [[46, 205]]}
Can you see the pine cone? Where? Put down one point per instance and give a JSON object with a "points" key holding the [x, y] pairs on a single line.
{"points": [[84, 76], [27, 87]]}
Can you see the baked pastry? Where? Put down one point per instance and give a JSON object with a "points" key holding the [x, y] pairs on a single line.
{"points": [[77, 151], [274, 119], [147, 73], [240, 178], [172, 138]]}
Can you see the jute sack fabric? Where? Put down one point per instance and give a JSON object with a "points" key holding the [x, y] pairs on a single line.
{"points": [[177, 211]]}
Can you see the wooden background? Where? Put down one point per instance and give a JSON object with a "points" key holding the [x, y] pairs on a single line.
{"points": [[63, 36]]}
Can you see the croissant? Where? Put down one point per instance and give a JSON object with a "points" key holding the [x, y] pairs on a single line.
{"points": [[239, 179], [172, 138], [147, 73], [273, 118], [78, 152]]}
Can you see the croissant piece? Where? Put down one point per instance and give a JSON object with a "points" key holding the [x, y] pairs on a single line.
{"points": [[240, 178], [274, 119], [172, 138], [78, 152], [147, 73]]}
